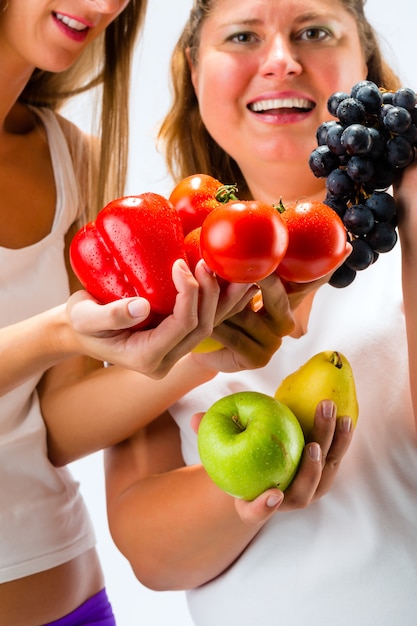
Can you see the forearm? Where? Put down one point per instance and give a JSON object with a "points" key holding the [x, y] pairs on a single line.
{"points": [[405, 196], [108, 405], [177, 529], [32, 346]]}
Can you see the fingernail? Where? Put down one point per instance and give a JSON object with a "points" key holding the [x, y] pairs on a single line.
{"points": [[273, 500], [328, 409], [346, 424], [207, 268], [184, 266], [138, 308], [314, 451]]}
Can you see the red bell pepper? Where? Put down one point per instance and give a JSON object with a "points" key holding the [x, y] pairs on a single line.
{"points": [[129, 251]]}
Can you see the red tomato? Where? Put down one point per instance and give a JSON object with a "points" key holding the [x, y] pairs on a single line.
{"points": [[193, 252], [195, 196], [317, 241], [243, 241], [192, 247]]}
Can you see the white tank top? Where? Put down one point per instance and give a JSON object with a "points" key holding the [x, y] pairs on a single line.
{"points": [[43, 520], [349, 559]]}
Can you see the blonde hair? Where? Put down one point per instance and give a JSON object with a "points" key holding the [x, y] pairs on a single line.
{"points": [[105, 64], [188, 146]]}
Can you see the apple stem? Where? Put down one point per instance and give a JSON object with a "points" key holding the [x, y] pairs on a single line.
{"points": [[235, 418]]}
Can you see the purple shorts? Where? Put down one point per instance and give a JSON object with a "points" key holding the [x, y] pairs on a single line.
{"points": [[96, 610]]}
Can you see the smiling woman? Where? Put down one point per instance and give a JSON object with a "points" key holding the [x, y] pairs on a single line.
{"points": [[310, 565], [48, 562]]}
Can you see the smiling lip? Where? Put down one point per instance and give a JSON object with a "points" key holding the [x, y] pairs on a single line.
{"points": [[281, 104], [73, 27]]}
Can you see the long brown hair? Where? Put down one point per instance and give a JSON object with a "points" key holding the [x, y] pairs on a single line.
{"points": [[105, 64], [188, 146]]}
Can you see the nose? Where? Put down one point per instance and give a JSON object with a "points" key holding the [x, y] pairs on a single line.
{"points": [[280, 59]]}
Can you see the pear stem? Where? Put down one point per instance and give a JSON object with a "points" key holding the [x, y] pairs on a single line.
{"points": [[337, 360]]}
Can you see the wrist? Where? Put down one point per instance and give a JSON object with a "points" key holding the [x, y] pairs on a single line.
{"points": [[60, 338], [192, 368]]}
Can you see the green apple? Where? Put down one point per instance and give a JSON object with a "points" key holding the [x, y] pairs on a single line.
{"points": [[249, 442]]}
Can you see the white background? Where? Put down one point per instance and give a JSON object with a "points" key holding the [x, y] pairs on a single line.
{"points": [[133, 604]]}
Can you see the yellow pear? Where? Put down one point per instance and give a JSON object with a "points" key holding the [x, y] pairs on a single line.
{"points": [[208, 345], [326, 376]]}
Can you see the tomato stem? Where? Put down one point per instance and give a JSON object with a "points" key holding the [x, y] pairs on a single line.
{"points": [[225, 193], [279, 207]]}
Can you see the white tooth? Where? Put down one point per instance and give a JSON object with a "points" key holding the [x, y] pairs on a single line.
{"points": [[280, 103], [74, 24]]}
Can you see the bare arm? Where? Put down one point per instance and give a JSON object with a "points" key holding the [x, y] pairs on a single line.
{"points": [[405, 193], [177, 529], [96, 409], [88, 410]]}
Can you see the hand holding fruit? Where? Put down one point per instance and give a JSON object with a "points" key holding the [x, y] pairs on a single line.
{"points": [[321, 458], [101, 332], [250, 337]]}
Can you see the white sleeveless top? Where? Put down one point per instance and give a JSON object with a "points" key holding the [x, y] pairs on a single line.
{"points": [[43, 520], [349, 559]]}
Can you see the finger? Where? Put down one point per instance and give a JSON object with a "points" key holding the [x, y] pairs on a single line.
{"points": [[233, 299], [341, 442], [303, 488], [190, 322], [258, 511], [196, 421], [89, 317], [276, 306], [324, 425], [250, 336]]}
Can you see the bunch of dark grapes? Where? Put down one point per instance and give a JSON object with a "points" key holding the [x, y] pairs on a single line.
{"points": [[361, 154]]}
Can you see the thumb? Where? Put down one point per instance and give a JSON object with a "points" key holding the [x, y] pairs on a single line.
{"points": [[258, 511]]}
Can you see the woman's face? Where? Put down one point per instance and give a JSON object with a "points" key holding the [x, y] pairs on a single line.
{"points": [[51, 34], [265, 70]]}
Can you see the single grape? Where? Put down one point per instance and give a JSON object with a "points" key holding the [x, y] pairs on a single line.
{"points": [[334, 100], [362, 255], [322, 161], [321, 133], [358, 219], [360, 169], [340, 184], [333, 139], [397, 120], [339, 205], [356, 139], [342, 277], [387, 97], [351, 111], [369, 94], [405, 98], [383, 237], [399, 152], [382, 205]]}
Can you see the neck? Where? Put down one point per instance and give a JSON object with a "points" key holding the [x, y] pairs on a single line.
{"points": [[14, 76], [286, 181]]}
